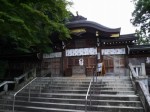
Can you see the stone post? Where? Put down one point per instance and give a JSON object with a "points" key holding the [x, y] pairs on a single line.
{"points": [[143, 69], [143, 78], [6, 87], [34, 72]]}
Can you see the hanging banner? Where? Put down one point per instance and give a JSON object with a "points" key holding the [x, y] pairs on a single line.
{"points": [[81, 52], [113, 51]]}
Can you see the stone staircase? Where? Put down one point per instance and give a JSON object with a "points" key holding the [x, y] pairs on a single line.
{"points": [[67, 94]]}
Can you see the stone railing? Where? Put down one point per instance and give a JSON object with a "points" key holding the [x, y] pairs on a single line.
{"points": [[140, 83], [4, 86]]}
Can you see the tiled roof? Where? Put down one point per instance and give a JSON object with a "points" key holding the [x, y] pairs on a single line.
{"points": [[91, 24]]}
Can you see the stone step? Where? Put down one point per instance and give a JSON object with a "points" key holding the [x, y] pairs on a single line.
{"points": [[75, 106], [51, 88], [70, 90], [67, 94], [113, 82], [75, 101], [57, 91], [39, 109], [36, 86], [87, 83], [64, 80], [81, 81], [76, 89], [97, 86], [116, 103], [83, 78], [82, 96], [73, 85], [115, 97], [53, 107], [56, 82], [108, 108], [112, 79], [116, 92], [86, 88], [39, 83], [20, 108], [79, 91], [4, 110], [6, 107]]}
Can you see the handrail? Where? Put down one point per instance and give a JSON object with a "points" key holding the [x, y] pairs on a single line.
{"points": [[131, 67], [16, 80], [5, 84], [23, 75], [145, 93], [89, 89], [21, 90], [86, 97], [139, 80]]}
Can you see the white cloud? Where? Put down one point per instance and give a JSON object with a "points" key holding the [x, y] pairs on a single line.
{"points": [[110, 13]]}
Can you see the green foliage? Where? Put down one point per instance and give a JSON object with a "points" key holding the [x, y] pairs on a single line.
{"points": [[141, 16], [28, 25], [143, 38]]}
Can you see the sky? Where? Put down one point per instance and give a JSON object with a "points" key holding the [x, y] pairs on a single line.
{"points": [[110, 13]]}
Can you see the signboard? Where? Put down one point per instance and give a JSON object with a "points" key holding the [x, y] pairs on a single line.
{"points": [[115, 35], [53, 55], [78, 30], [113, 51], [81, 52]]}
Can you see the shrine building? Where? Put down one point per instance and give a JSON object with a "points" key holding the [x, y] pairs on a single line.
{"points": [[91, 43]]}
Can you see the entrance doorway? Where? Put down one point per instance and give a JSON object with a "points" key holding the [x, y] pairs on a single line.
{"points": [[114, 64], [74, 67]]}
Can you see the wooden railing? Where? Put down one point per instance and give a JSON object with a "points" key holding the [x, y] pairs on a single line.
{"points": [[140, 83]]}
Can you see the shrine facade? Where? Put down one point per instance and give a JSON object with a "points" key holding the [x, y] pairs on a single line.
{"points": [[91, 43]]}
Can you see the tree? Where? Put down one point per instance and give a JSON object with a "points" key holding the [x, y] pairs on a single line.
{"points": [[141, 17], [143, 39], [28, 25]]}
